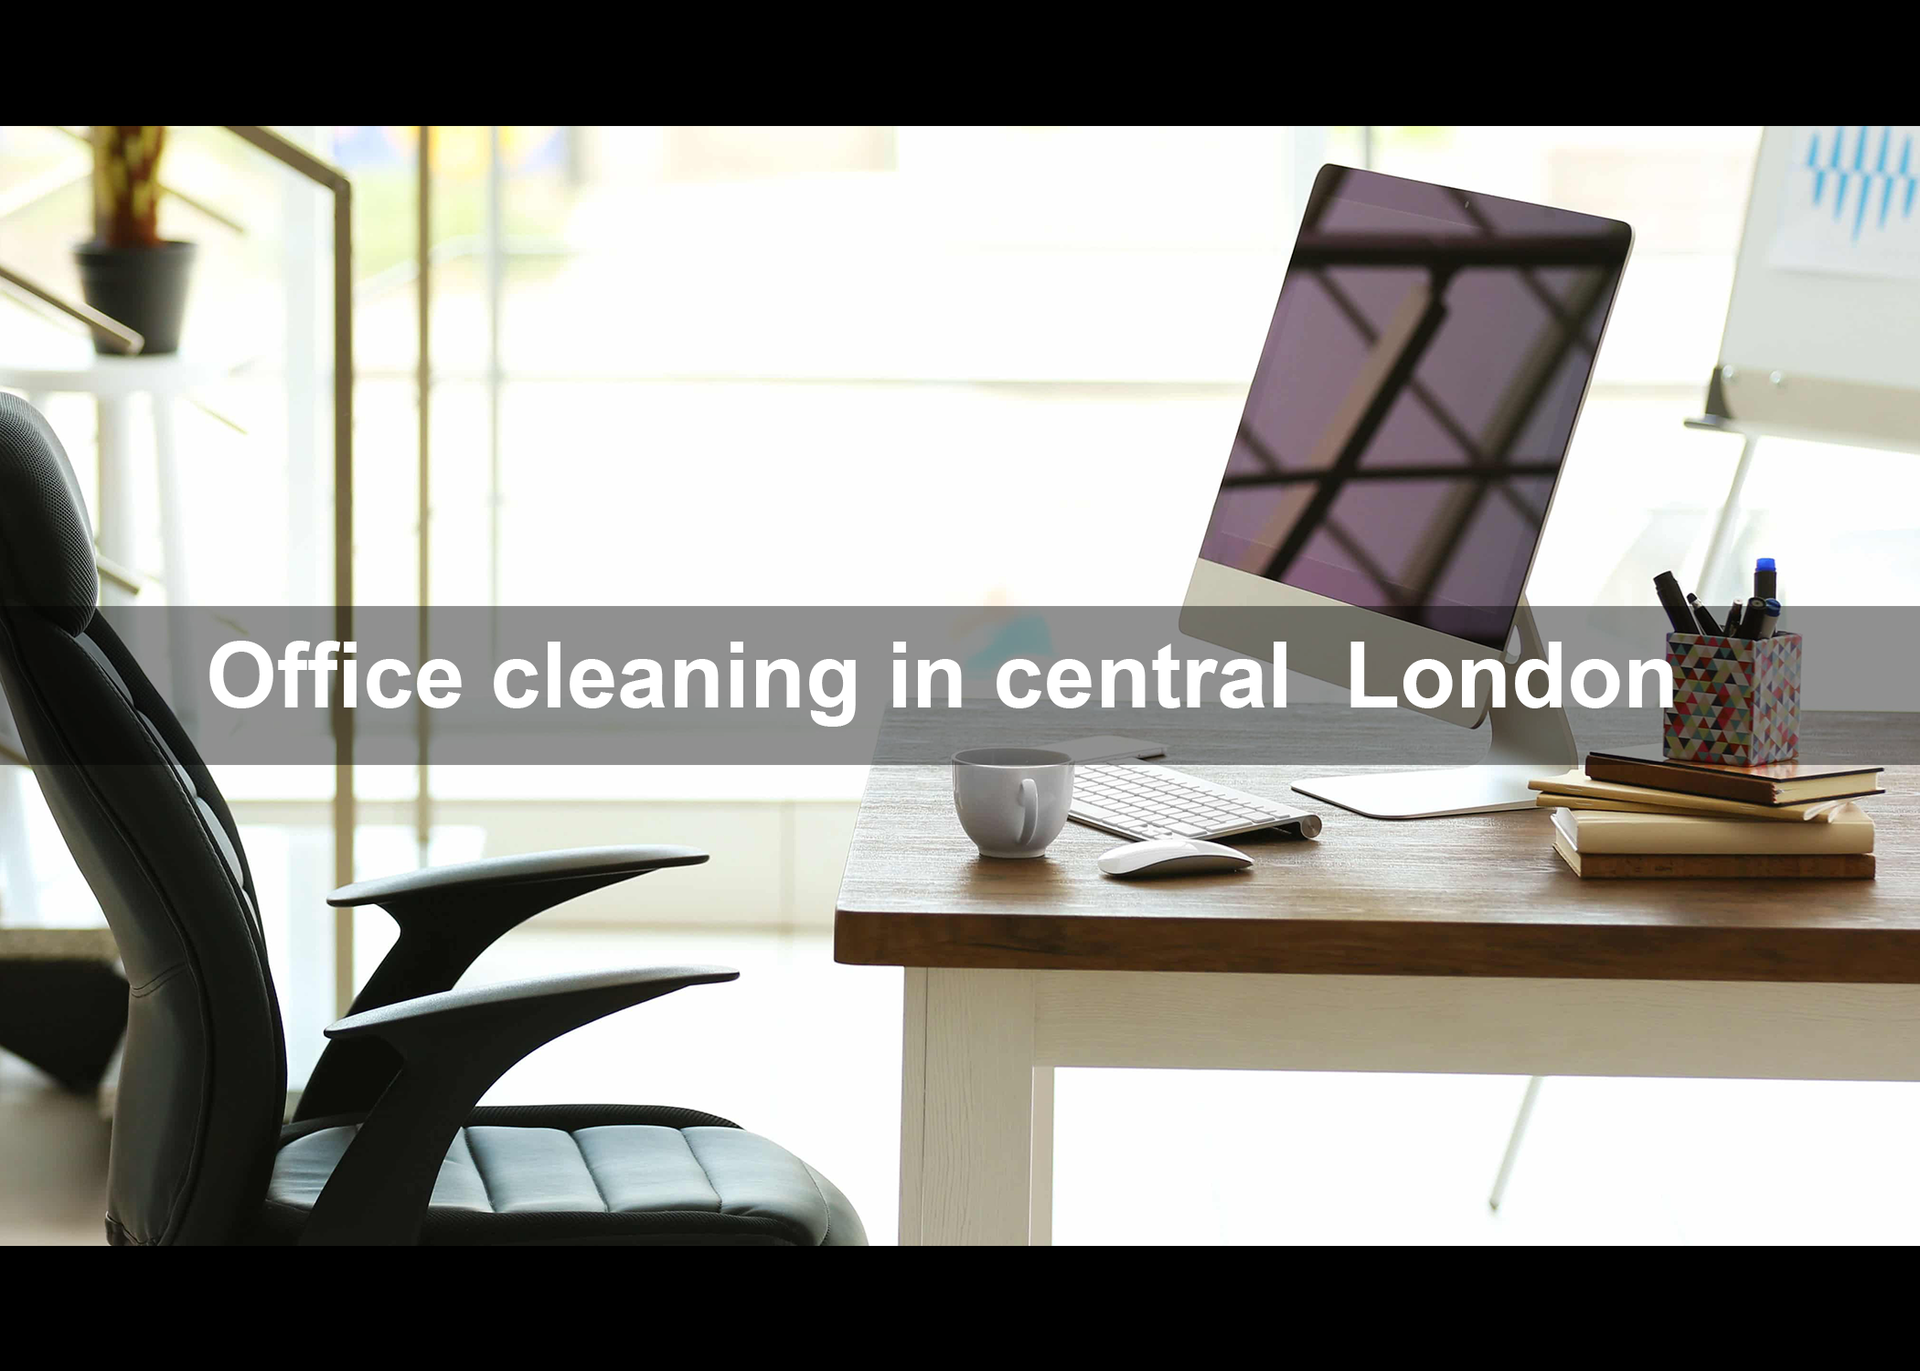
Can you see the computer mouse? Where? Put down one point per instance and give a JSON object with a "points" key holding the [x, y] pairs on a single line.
{"points": [[1171, 857]]}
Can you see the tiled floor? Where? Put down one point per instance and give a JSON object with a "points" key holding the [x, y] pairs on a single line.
{"points": [[808, 1052]]}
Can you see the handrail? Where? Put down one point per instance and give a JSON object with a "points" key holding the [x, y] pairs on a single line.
{"points": [[124, 339], [332, 179]]}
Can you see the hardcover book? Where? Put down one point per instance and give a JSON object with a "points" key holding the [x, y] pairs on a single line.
{"points": [[1771, 783], [1578, 783]]}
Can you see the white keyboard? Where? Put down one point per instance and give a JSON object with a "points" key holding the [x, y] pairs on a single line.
{"points": [[1136, 800]]}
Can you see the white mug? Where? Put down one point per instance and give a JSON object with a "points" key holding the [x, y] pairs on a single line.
{"points": [[1012, 801]]}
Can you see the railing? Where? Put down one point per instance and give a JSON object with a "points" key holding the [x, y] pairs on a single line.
{"points": [[117, 337]]}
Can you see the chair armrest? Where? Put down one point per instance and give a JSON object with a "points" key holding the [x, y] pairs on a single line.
{"points": [[453, 1046], [429, 884], [447, 916]]}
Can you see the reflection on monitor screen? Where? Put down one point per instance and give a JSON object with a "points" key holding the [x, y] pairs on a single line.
{"points": [[1415, 398]]}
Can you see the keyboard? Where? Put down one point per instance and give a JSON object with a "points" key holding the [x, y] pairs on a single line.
{"points": [[1137, 800]]}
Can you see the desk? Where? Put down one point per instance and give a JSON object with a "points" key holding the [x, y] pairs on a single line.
{"points": [[1442, 945]]}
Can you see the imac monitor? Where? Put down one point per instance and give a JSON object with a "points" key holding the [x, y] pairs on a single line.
{"points": [[1402, 440]]}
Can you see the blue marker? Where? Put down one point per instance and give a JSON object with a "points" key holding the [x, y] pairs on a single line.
{"points": [[1764, 579], [1771, 619]]}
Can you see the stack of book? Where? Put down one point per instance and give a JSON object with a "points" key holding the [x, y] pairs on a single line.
{"points": [[1635, 814]]}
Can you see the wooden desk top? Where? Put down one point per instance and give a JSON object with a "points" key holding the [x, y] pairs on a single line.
{"points": [[1482, 895]]}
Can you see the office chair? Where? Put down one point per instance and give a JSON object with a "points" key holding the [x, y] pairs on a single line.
{"points": [[388, 1146]]}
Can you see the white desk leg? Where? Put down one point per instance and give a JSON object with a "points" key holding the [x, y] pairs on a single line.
{"points": [[1040, 1203], [967, 1108]]}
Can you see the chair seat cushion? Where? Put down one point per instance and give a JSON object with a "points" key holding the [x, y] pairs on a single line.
{"points": [[589, 1174]]}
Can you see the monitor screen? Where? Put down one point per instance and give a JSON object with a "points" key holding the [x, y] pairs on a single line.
{"points": [[1413, 404]]}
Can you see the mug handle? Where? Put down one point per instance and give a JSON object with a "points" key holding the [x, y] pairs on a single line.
{"points": [[1030, 811]]}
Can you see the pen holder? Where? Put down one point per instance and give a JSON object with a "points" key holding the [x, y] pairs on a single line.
{"points": [[1735, 700]]}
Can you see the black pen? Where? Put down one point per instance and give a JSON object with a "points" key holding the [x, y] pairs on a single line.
{"points": [[1752, 617], [1703, 617]]}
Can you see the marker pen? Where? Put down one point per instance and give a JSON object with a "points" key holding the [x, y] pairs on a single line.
{"points": [[1703, 617], [1764, 578], [1772, 619], [1752, 617], [1679, 614]]}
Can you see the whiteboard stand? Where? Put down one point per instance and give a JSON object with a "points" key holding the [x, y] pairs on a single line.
{"points": [[1839, 426], [1729, 508]]}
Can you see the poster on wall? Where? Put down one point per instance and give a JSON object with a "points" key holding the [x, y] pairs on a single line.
{"points": [[1851, 203]]}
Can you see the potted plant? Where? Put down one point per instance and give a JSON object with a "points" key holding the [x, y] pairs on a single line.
{"points": [[127, 271]]}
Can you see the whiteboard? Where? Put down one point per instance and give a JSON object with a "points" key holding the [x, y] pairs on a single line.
{"points": [[1823, 328]]}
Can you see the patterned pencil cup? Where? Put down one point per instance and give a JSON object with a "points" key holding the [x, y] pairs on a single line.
{"points": [[1735, 700]]}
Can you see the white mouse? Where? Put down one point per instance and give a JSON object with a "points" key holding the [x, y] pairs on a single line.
{"points": [[1171, 857]]}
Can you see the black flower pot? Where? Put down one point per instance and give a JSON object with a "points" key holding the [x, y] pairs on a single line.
{"points": [[143, 288]]}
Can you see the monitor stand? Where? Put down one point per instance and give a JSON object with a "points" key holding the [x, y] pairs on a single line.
{"points": [[1526, 744]]}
